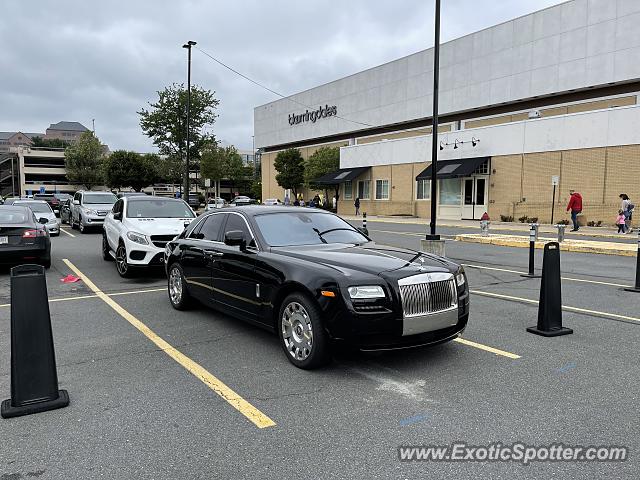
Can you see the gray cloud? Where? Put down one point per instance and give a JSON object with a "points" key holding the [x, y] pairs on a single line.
{"points": [[78, 60]]}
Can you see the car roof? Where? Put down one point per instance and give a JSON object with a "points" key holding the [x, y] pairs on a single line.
{"points": [[15, 208], [28, 200], [254, 210], [143, 198]]}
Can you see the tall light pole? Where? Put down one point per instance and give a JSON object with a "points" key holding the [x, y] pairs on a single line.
{"points": [[434, 129], [188, 46]]}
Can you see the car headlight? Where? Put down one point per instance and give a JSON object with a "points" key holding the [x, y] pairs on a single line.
{"points": [[90, 211], [53, 220], [461, 278], [137, 238], [367, 291]]}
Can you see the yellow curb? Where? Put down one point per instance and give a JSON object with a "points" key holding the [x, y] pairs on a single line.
{"points": [[578, 246]]}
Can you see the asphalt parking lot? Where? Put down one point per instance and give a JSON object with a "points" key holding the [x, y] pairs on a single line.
{"points": [[157, 393]]}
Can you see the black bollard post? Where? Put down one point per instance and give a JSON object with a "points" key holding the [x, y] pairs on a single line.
{"points": [[636, 288], [34, 380], [364, 223], [550, 305], [533, 236]]}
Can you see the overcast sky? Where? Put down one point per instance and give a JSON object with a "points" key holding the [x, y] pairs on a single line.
{"points": [[80, 60]]}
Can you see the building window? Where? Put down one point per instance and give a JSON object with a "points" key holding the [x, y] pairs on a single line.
{"points": [[348, 190], [423, 190], [363, 189], [450, 191], [382, 189], [483, 169]]}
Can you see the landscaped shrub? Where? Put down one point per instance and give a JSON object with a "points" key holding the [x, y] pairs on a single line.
{"points": [[506, 218], [523, 219]]}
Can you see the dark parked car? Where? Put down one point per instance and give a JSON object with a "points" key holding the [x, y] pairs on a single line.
{"points": [[194, 200], [23, 237], [53, 199], [315, 279]]}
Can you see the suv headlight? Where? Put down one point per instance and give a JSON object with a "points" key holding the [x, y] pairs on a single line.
{"points": [[137, 238], [90, 211], [367, 291], [461, 278]]}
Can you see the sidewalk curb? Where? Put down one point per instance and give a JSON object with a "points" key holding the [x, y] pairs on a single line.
{"points": [[509, 227], [577, 246]]}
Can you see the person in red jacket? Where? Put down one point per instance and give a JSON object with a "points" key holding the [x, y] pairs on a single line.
{"points": [[575, 206]]}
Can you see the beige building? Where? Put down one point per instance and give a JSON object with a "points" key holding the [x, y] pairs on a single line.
{"points": [[550, 97]]}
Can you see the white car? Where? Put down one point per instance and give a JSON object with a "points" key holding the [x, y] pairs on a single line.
{"points": [[272, 201], [42, 209], [138, 228], [215, 203]]}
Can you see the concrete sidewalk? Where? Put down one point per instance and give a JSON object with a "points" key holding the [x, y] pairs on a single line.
{"points": [[568, 245], [596, 232]]}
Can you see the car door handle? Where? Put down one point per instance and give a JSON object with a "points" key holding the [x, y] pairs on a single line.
{"points": [[207, 253]]}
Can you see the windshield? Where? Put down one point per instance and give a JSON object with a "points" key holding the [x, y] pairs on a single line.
{"points": [[36, 206], [95, 198], [158, 208], [12, 217], [306, 228]]}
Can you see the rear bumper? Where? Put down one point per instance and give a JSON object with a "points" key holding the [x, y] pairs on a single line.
{"points": [[16, 254]]}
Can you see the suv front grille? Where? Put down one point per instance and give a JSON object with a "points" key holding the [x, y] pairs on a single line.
{"points": [[161, 241], [427, 297]]}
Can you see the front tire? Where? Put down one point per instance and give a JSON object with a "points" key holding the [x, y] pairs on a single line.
{"points": [[123, 267], [302, 334], [177, 288]]}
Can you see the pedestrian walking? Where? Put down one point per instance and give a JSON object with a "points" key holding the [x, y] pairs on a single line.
{"points": [[287, 201], [627, 208], [296, 203], [302, 202], [575, 206], [357, 205], [334, 202], [621, 222]]}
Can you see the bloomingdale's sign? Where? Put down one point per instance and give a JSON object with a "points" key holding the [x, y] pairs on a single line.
{"points": [[312, 116]]}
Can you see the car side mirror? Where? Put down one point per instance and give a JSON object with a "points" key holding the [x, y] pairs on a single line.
{"points": [[43, 220], [117, 216], [76, 202], [235, 237]]}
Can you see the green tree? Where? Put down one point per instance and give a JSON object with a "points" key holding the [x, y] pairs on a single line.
{"points": [[212, 163], [290, 167], [83, 161], [324, 160], [234, 169], [165, 123], [49, 142], [130, 169]]}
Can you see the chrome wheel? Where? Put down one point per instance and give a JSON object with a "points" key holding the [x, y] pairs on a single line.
{"points": [[175, 286], [297, 331], [121, 260]]}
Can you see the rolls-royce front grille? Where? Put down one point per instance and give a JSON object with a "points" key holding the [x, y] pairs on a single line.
{"points": [[161, 241], [429, 297]]}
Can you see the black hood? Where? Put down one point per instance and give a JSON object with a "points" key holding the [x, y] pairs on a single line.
{"points": [[369, 258]]}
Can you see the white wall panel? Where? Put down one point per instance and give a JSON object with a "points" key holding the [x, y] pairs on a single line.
{"points": [[614, 126], [573, 45]]}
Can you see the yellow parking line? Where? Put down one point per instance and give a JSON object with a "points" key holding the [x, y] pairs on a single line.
{"points": [[68, 233], [236, 401], [568, 308], [84, 297], [487, 348], [570, 279]]}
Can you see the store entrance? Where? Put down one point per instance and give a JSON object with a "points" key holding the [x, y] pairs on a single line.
{"points": [[474, 197]]}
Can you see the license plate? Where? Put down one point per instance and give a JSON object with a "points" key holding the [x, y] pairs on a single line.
{"points": [[4, 240]]}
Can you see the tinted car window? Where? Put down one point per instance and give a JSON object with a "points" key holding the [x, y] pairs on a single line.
{"points": [[158, 208], [236, 222], [12, 217], [306, 228], [97, 198], [210, 230]]}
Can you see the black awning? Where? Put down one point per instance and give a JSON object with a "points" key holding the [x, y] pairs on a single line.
{"points": [[339, 176], [454, 168]]}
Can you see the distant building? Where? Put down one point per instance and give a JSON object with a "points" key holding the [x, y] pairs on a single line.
{"points": [[69, 131], [13, 139]]}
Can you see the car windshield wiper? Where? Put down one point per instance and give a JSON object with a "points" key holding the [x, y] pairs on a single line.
{"points": [[320, 235], [333, 230]]}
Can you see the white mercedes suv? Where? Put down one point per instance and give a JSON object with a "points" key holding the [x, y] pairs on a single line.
{"points": [[138, 228]]}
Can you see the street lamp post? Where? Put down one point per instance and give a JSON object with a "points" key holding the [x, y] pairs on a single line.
{"points": [[434, 129], [188, 46]]}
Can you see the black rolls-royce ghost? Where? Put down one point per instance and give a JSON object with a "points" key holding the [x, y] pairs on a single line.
{"points": [[314, 279]]}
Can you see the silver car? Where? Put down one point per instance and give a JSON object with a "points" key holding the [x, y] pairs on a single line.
{"points": [[41, 209], [89, 209]]}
